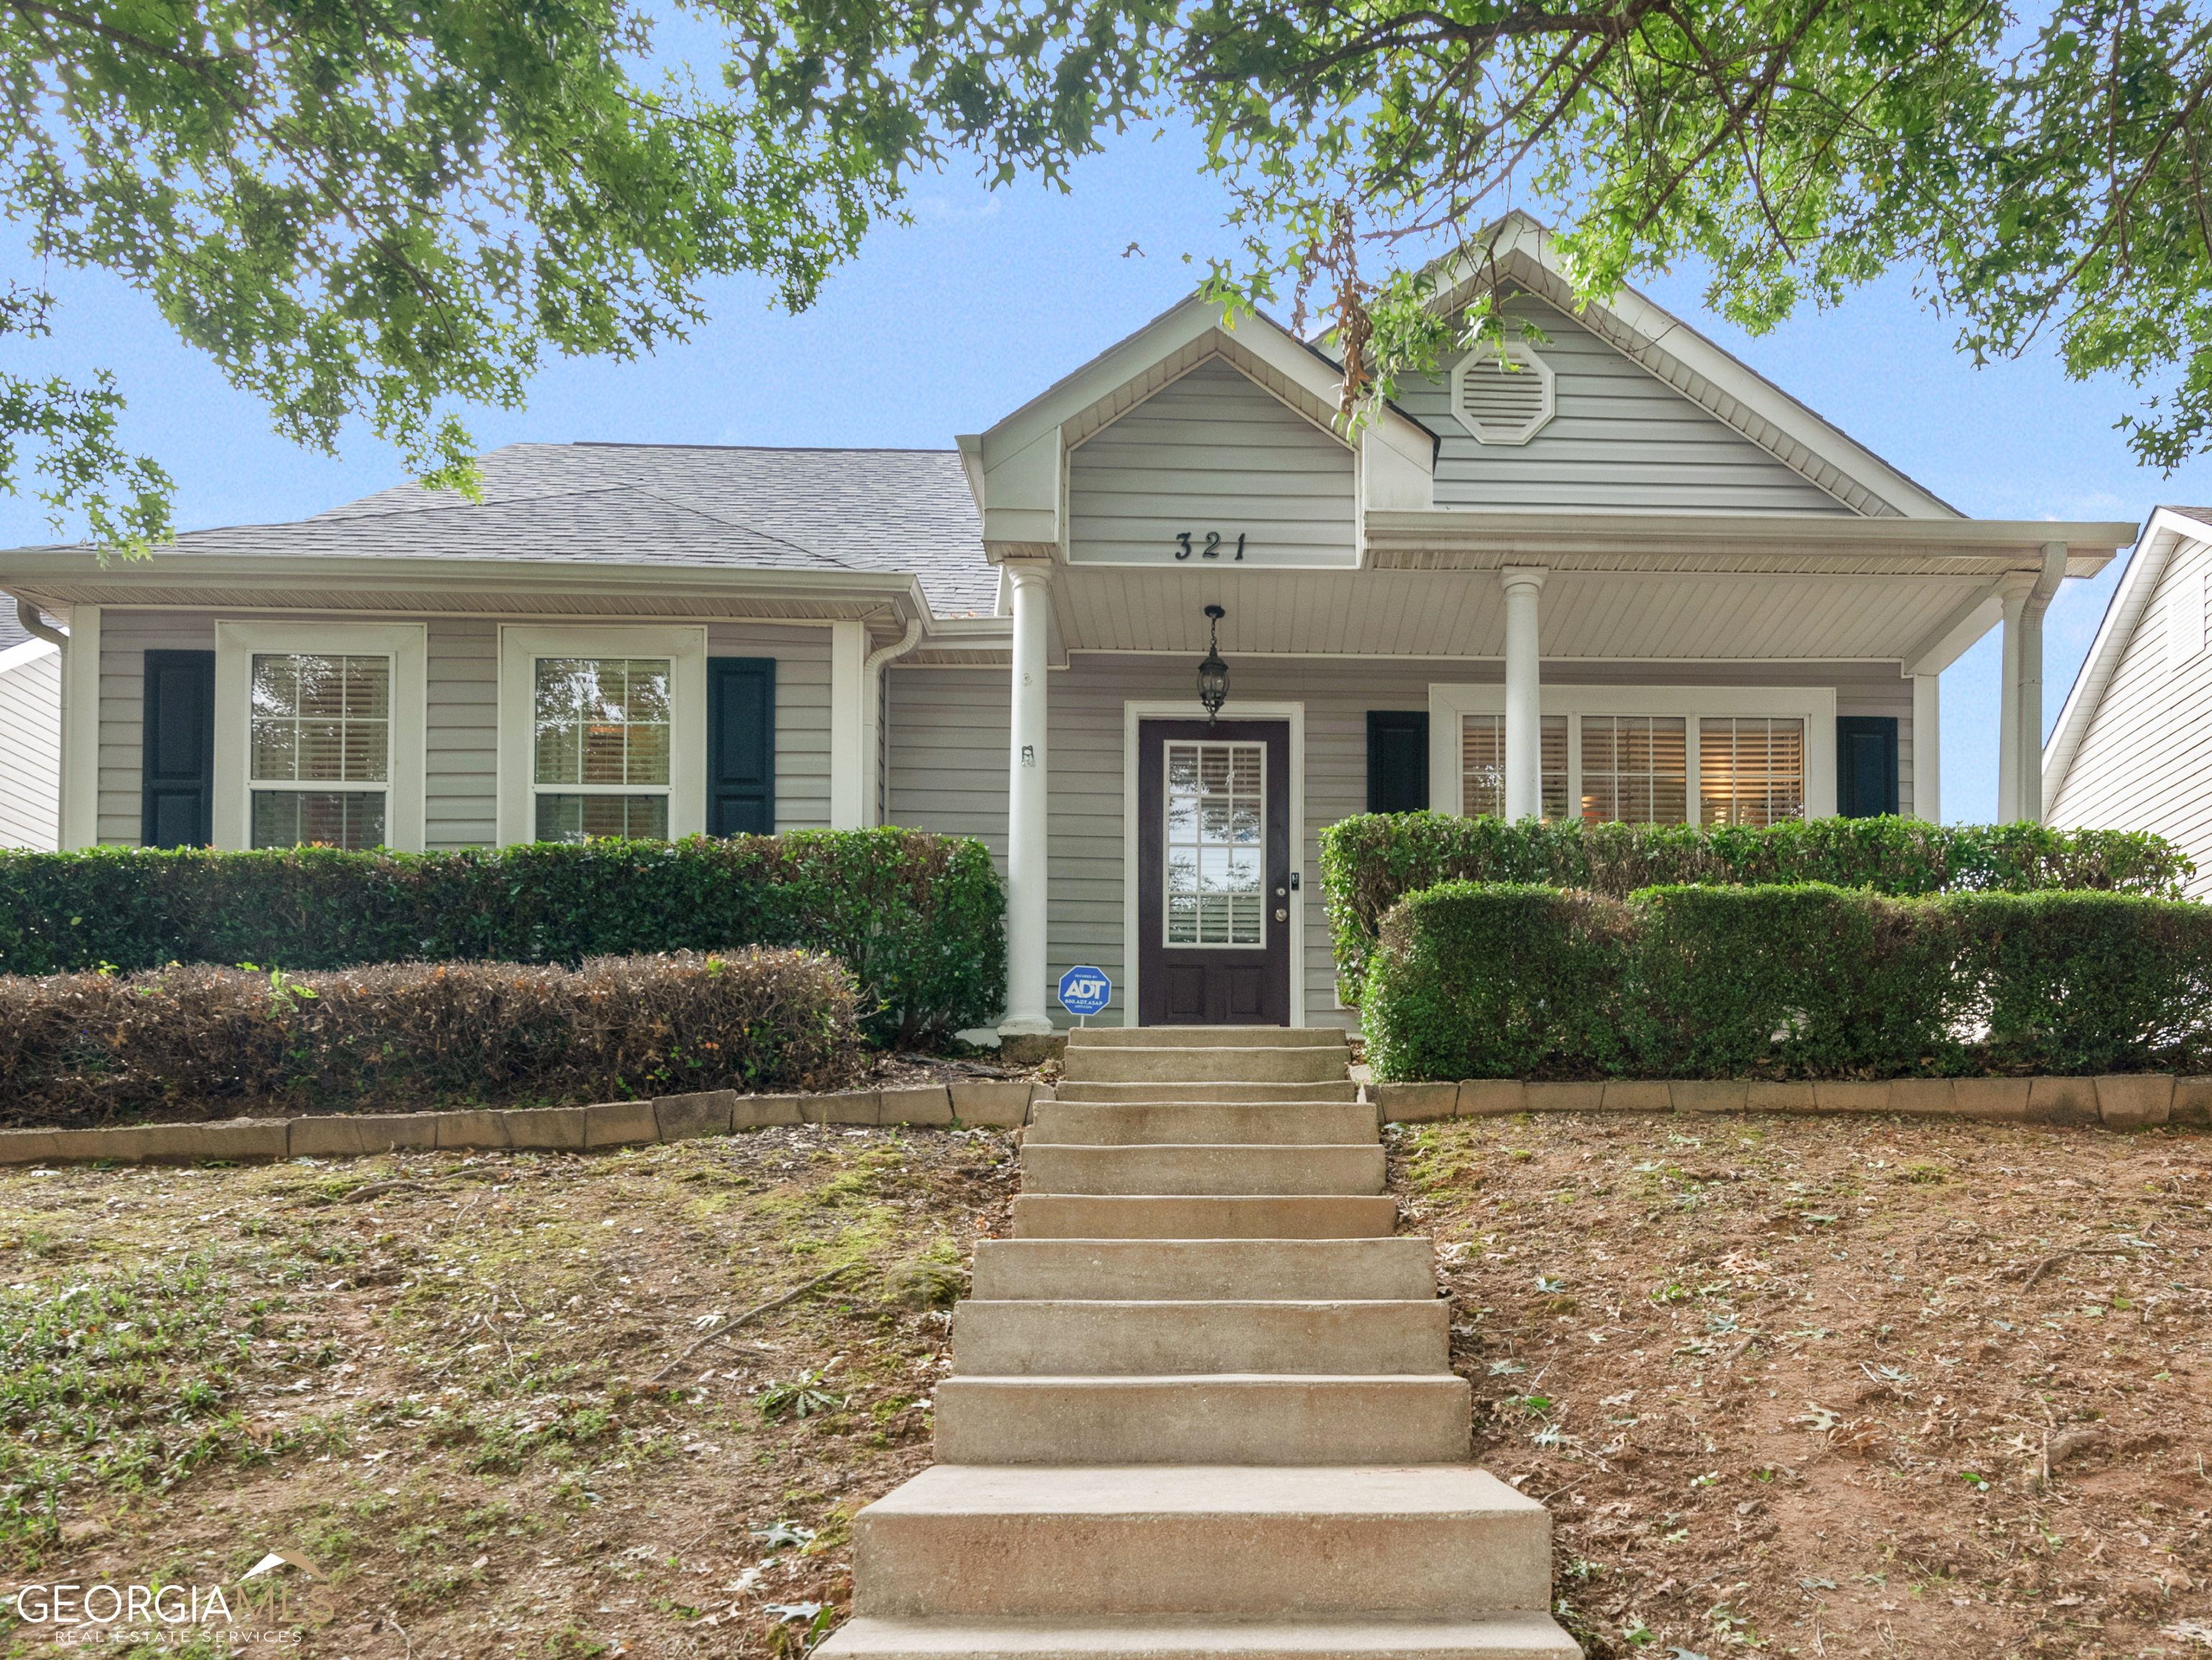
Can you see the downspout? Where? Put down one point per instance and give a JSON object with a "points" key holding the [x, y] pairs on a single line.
{"points": [[39, 628], [871, 669]]}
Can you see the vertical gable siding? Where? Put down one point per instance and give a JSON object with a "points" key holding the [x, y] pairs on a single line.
{"points": [[2145, 763], [1210, 452], [1621, 438], [30, 776]]}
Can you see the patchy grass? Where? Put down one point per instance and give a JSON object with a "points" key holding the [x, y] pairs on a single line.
{"points": [[437, 1379], [1841, 1388]]}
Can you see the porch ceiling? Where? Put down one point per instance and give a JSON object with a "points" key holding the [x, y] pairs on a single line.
{"points": [[1608, 615]]}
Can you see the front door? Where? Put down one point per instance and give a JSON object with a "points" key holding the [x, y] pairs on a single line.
{"points": [[1213, 871]]}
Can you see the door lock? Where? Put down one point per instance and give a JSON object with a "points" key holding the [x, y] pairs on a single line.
{"points": [[1281, 916]]}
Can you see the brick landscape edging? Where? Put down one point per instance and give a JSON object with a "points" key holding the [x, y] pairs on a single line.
{"points": [[2122, 1101], [547, 1130]]}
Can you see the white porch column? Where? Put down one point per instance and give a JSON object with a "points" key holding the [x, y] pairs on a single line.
{"points": [[852, 762], [79, 825], [1928, 747], [1524, 698], [1026, 807], [2031, 678], [2014, 595]]}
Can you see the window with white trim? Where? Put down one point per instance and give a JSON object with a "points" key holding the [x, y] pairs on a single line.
{"points": [[319, 750], [1482, 763], [1750, 771], [600, 742]]}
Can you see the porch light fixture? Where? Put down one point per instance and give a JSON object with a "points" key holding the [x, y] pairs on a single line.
{"points": [[1213, 673]]}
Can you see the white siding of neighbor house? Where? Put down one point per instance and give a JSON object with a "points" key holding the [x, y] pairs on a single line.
{"points": [[31, 747], [461, 753], [1210, 452], [1621, 438], [2145, 763], [949, 762]]}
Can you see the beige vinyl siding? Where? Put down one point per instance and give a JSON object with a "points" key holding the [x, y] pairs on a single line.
{"points": [[2145, 763], [1210, 452], [949, 765], [126, 637], [1621, 438], [461, 754], [30, 752], [802, 712]]}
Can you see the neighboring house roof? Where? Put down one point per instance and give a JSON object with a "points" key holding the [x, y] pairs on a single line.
{"points": [[11, 631], [2166, 527], [903, 512]]}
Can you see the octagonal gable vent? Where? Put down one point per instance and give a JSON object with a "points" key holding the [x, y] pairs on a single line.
{"points": [[1502, 394]]}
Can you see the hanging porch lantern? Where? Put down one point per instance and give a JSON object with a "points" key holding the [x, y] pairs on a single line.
{"points": [[1213, 673]]}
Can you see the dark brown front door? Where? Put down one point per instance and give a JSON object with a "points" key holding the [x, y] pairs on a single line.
{"points": [[1213, 873]]}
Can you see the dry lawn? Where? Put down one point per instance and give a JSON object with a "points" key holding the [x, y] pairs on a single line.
{"points": [[1813, 1388]]}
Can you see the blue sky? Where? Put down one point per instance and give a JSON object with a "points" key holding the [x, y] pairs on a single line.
{"points": [[942, 326]]}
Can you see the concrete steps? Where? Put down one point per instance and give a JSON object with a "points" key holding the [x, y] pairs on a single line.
{"points": [[1244, 1418], [1138, 1124], [1366, 1636], [1205, 1168], [1219, 1216], [1104, 1339], [1325, 1089], [1290, 1063], [1201, 1405]]}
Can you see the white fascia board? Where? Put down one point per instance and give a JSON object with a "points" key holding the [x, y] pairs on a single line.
{"points": [[1021, 493], [2090, 545], [1667, 333], [60, 575], [2167, 532], [971, 464], [30, 651]]}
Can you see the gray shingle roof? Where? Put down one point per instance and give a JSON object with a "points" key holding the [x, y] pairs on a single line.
{"points": [[11, 631], [902, 512]]}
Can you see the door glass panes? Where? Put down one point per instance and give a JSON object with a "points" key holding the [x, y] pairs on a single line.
{"points": [[1482, 764], [1751, 771], [600, 729], [318, 719], [1635, 769], [1215, 807]]}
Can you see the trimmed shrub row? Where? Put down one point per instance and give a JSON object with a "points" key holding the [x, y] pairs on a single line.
{"points": [[211, 1042], [1372, 861], [1484, 979], [919, 919]]}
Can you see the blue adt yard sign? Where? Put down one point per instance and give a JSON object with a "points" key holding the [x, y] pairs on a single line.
{"points": [[1084, 991]]}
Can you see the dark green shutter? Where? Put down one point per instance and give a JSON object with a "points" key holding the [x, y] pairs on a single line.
{"points": [[1397, 760], [177, 771], [741, 745], [1866, 765]]}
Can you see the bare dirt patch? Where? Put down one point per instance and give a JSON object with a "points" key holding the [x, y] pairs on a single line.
{"points": [[447, 1382], [1841, 1388]]}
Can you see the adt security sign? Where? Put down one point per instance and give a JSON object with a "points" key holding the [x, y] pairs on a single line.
{"points": [[1084, 991]]}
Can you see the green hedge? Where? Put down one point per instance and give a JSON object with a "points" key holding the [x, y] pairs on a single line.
{"points": [[209, 1043], [1369, 862], [919, 919], [1476, 979]]}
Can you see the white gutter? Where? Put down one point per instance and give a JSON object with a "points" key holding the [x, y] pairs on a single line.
{"points": [[871, 706]]}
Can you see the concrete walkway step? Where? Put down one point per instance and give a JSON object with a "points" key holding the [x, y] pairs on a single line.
{"points": [[1205, 1037], [1232, 1216], [1138, 1123], [1381, 1636], [1432, 1540], [1188, 1091], [1100, 1338], [1062, 1167], [1204, 1270], [1293, 1063], [1242, 1419]]}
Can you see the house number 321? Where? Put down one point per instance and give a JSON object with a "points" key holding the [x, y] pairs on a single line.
{"points": [[1212, 548]]}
